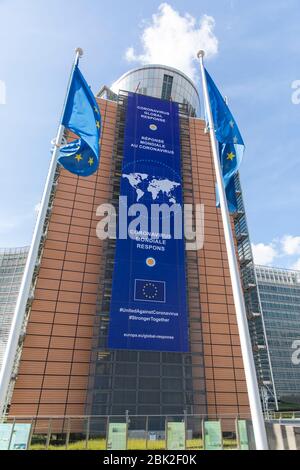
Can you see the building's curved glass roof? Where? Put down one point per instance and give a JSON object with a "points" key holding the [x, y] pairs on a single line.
{"points": [[160, 81]]}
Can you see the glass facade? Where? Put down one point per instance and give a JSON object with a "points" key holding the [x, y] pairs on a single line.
{"points": [[143, 382], [167, 87], [253, 304], [161, 82], [12, 264], [280, 301]]}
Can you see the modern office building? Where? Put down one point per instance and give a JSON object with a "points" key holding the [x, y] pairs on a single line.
{"points": [[279, 291], [66, 366], [12, 264]]}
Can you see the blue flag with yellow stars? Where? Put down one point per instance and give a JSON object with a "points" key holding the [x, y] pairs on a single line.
{"points": [[231, 144], [81, 116], [230, 196]]}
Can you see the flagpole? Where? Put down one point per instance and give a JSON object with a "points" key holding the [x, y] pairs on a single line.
{"points": [[246, 347], [26, 284]]}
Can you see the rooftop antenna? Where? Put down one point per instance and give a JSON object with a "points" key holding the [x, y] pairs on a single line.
{"points": [[137, 88]]}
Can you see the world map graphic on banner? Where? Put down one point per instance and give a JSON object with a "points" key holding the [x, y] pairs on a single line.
{"points": [[156, 186]]}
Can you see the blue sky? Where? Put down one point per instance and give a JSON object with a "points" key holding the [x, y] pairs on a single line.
{"points": [[255, 62]]}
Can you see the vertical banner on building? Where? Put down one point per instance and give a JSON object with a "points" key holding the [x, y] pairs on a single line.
{"points": [[148, 305]]}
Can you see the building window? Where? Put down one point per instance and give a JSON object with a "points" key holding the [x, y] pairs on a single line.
{"points": [[167, 87]]}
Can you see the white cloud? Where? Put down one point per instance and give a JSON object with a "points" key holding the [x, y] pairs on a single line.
{"points": [[282, 252], [264, 254], [291, 245], [174, 40]]}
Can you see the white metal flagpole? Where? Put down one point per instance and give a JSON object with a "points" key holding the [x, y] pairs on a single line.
{"points": [[20, 309], [249, 366]]}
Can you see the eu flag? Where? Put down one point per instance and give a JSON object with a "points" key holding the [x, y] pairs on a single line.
{"points": [[150, 291], [81, 116], [231, 144]]}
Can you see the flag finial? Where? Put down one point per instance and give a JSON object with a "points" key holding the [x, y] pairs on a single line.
{"points": [[200, 53], [79, 51]]}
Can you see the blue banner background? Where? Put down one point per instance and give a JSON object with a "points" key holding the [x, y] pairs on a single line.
{"points": [[148, 305]]}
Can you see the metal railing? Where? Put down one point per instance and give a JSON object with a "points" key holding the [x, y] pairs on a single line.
{"points": [[144, 432]]}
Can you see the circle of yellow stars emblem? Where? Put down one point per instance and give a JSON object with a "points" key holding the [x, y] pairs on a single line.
{"points": [[150, 291]]}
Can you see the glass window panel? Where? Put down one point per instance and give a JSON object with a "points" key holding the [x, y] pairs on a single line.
{"points": [[172, 371], [126, 383], [149, 383], [149, 356], [101, 397], [172, 384], [149, 397], [103, 382], [124, 397], [149, 370], [120, 410], [175, 358], [173, 398], [126, 369], [127, 356]]}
